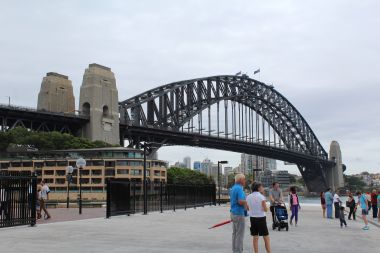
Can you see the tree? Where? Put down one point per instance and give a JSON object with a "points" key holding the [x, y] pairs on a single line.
{"points": [[354, 183], [45, 140], [187, 176]]}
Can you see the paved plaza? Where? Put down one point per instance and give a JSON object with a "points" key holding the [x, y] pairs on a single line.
{"points": [[183, 231]]}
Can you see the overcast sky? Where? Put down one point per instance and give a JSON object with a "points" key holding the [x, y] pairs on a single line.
{"points": [[322, 55]]}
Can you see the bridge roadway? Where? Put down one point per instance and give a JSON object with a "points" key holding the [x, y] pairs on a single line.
{"points": [[13, 116], [170, 137], [185, 232]]}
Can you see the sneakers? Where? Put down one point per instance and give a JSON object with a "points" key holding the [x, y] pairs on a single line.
{"points": [[365, 228]]}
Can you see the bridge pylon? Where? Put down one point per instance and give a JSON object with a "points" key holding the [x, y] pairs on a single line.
{"points": [[335, 177], [99, 100]]}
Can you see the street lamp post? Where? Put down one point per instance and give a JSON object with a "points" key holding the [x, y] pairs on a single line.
{"points": [[145, 187], [81, 163], [69, 177], [219, 183]]}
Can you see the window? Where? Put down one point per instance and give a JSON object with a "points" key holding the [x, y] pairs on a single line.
{"points": [[86, 108], [49, 172], [123, 172], [97, 163], [60, 172], [121, 163], [60, 181], [50, 164], [110, 172], [135, 163], [85, 180], [49, 180], [62, 163], [131, 155], [136, 172], [110, 163], [96, 172], [15, 164], [4, 165], [38, 164], [27, 164], [96, 180], [85, 172], [105, 111]]}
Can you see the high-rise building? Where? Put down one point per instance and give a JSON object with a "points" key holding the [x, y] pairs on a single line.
{"points": [[228, 170], [206, 166], [282, 177], [249, 163], [197, 165], [187, 162]]}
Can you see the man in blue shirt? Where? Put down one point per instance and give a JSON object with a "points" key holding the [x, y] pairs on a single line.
{"points": [[329, 203], [238, 207], [363, 202]]}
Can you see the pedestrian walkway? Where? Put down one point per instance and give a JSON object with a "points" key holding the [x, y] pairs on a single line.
{"points": [[183, 231], [72, 214]]}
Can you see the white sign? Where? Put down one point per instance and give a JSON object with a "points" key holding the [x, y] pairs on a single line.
{"points": [[69, 169], [81, 163]]}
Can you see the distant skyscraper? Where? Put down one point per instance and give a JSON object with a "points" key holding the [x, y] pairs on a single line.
{"points": [[197, 165], [227, 170], [206, 166], [251, 162], [187, 162]]}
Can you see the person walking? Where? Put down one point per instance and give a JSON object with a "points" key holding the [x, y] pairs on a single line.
{"points": [[323, 204], [294, 205], [257, 208], [275, 197], [238, 207], [351, 205], [337, 203], [374, 204], [329, 202], [363, 202], [378, 205], [44, 196], [342, 217]]}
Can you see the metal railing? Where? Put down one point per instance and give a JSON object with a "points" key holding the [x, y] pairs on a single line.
{"points": [[125, 198], [18, 196]]}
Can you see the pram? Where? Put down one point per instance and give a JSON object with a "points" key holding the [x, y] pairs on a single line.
{"points": [[280, 217]]}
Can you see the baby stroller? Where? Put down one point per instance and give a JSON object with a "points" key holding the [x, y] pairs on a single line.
{"points": [[280, 217]]}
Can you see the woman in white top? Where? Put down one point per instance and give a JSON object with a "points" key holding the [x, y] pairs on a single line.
{"points": [[257, 208]]}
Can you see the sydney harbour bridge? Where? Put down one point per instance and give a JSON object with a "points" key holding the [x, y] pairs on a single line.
{"points": [[226, 112]]}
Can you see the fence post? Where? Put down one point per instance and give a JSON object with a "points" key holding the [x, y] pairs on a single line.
{"points": [[174, 187], [134, 197], [161, 196], [34, 202], [108, 208], [185, 196]]}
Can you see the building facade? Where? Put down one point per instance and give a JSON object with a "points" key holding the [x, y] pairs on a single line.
{"points": [[101, 164]]}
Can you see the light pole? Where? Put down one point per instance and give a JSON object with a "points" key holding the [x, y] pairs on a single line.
{"points": [[145, 187], [219, 188], [81, 163], [69, 178], [9, 100]]}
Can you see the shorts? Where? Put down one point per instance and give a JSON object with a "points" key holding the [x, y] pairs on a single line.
{"points": [[259, 226], [364, 212]]}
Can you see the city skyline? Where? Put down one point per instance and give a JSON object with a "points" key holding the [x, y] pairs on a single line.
{"points": [[305, 57]]}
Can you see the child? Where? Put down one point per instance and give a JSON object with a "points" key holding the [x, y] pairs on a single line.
{"points": [[341, 217], [257, 208], [294, 205]]}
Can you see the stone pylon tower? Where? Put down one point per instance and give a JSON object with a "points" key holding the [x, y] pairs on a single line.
{"points": [[335, 176], [99, 100], [56, 94]]}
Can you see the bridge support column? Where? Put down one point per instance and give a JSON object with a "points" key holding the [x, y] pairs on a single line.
{"points": [[99, 100], [335, 177]]}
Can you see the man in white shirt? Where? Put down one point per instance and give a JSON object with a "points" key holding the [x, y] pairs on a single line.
{"points": [[337, 202], [257, 208], [44, 196]]}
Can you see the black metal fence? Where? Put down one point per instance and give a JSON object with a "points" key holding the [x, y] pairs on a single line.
{"points": [[124, 197], [18, 199]]}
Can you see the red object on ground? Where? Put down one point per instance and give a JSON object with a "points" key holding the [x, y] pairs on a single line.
{"points": [[220, 224]]}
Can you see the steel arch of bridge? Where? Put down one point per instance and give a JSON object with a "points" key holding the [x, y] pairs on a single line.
{"points": [[169, 107]]}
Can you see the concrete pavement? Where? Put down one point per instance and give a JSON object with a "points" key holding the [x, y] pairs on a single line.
{"points": [[184, 231]]}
